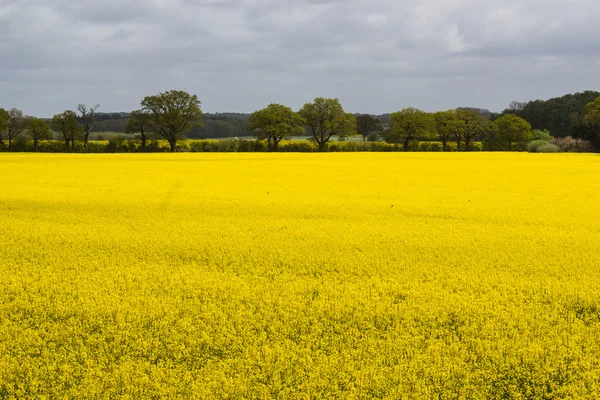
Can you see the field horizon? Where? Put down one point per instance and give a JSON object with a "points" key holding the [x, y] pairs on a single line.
{"points": [[300, 275]]}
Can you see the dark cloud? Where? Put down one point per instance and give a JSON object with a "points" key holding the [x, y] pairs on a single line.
{"points": [[239, 55]]}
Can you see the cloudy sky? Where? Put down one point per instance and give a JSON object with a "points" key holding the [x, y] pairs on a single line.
{"points": [[240, 55]]}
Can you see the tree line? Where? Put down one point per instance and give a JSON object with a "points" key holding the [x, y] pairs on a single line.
{"points": [[174, 114]]}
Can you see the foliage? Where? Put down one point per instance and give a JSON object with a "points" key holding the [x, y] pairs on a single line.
{"points": [[592, 112], [368, 126], [326, 118], [140, 122], [409, 124], [4, 123], [38, 130], [511, 129], [538, 134], [173, 114], [476, 126], [557, 114], [17, 124], [542, 146], [571, 145], [448, 125], [136, 276], [587, 131], [68, 126], [275, 123], [87, 117]]}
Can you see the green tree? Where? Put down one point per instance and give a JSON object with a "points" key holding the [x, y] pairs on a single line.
{"points": [[17, 123], [275, 123], [173, 114], [140, 122], [87, 117], [4, 122], [367, 125], [68, 126], [38, 130], [592, 112], [326, 118], [476, 125], [409, 124], [557, 114], [223, 129], [448, 125], [538, 134], [512, 129]]}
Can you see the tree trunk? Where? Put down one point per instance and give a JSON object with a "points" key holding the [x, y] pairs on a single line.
{"points": [[9, 143], [445, 144], [35, 142], [85, 142], [67, 143], [458, 144], [364, 138], [173, 144], [467, 144], [406, 141], [73, 144], [143, 141]]}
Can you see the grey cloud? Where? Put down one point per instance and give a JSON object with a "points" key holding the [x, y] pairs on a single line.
{"points": [[239, 55]]}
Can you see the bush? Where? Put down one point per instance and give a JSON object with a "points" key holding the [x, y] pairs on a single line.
{"points": [[116, 144], [382, 146], [572, 145], [354, 146], [413, 145], [182, 147], [299, 147], [154, 146], [250, 146], [97, 147], [541, 135], [435, 146], [21, 144], [542, 146], [373, 137], [228, 145]]}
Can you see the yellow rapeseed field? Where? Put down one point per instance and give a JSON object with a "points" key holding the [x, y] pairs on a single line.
{"points": [[300, 276]]}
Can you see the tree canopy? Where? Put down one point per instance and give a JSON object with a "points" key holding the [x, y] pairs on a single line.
{"points": [[4, 122], [275, 123], [38, 130], [512, 129], [17, 123], [476, 126], [326, 118], [592, 111], [87, 117], [409, 124], [68, 126], [448, 125], [557, 114], [367, 125], [140, 122], [173, 114]]}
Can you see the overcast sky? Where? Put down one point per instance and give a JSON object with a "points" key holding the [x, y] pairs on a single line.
{"points": [[376, 56]]}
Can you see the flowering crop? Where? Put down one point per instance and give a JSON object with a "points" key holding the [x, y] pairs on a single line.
{"points": [[339, 275]]}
